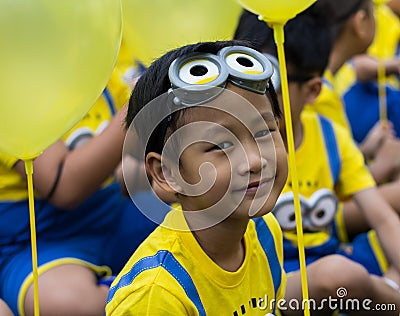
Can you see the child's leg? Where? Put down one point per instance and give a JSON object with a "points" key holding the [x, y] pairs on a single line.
{"points": [[68, 289], [328, 277], [4, 310], [394, 277], [385, 295]]}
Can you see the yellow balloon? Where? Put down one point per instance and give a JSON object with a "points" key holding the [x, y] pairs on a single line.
{"points": [[55, 60], [276, 11], [153, 27]]}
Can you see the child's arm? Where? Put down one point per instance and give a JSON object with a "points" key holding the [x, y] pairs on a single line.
{"points": [[383, 219], [366, 67]]}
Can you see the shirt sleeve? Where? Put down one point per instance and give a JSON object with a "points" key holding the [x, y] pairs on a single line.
{"points": [[153, 300], [354, 174]]}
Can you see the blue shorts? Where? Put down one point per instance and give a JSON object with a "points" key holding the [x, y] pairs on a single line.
{"points": [[364, 249], [100, 234]]}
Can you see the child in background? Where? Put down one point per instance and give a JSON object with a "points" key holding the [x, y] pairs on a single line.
{"points": [[353, 23], [85, 228], [328, 165], [364, 67], [356, 82], [353, 26], [354, 29], [221, 252], [384, 46]]}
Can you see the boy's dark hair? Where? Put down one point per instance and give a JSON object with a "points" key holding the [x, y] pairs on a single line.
{"points": [[154, 84], [308, 39]]}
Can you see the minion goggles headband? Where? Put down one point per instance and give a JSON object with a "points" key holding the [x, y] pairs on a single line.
{"points": [[198, 78]]}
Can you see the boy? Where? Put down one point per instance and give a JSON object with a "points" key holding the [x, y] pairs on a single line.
{"points": [[222, 155], [328, 164]]}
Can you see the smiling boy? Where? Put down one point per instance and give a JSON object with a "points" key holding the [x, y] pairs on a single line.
{"points": [[220, 152]]}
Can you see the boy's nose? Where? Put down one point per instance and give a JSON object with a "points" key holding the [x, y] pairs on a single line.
{"points": [[254, 163]]}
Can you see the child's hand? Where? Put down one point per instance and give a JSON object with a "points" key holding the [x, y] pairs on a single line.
{"points": [[375, 138]]}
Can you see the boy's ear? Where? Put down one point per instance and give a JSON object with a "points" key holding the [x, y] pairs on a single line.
{"points": [[314, 87], [161, 173], [278, 121], [359, 24]]}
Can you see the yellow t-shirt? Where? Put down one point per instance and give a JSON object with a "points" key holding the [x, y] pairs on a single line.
{"points": [[345, 78], [316, 166], [329, 103], [313, 162], [169, 274], [12, 187], [127, 65]]}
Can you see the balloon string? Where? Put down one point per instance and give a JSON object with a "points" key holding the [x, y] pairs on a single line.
{"points": [[381, 83], [382, 92], [279, 40], [29, 173]]}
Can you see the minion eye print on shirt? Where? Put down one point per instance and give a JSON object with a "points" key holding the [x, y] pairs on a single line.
{"points": [[318, 211]]}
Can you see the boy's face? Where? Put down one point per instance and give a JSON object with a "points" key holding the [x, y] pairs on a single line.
{"points": [[232, 156]]}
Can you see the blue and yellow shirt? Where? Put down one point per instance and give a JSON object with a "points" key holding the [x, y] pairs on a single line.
{"points": [[170, 274]]}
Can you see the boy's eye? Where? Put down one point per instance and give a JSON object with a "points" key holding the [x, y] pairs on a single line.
{"points": [[221, 146], [262, 133], [224, 145]]}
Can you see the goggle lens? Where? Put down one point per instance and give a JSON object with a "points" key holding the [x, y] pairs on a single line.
{"points": [[200, 71]]}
